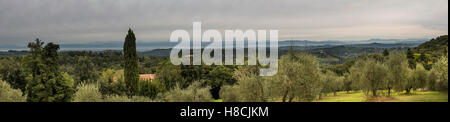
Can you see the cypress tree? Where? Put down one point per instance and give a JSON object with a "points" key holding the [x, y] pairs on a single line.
{"points": [[131, 63]]}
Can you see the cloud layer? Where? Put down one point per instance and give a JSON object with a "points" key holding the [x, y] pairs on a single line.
{"points": [[83, 21]]}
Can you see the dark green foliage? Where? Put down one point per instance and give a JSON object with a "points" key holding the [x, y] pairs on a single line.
{"points": [[343, 68], [85, 71], [13, 72], [47, 83], [385, 52], [192, 73], [131, 63], [219, 76], [169, 75], [102, 60], [435, 47], [150, 88], [149, 64], [112, 83], [411, 59]]}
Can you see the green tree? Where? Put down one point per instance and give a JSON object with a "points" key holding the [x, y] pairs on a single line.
{"points": [[347, 83], [219, 76], [131, 63], [440, 68], [298, 76], [385, 52], [418, 78], [250, 85], [411, 59], [8, 94], [169, 75], [85, 71], [112, 83], [398, 72], [371, 75], [331, 83], [47, 83], [12, 71]]}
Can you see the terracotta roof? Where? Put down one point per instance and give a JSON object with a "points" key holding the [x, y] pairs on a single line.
{"points": [[148, 77]]}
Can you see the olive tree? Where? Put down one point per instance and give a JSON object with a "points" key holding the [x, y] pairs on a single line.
{"points": [[331, 83], [419, 78], [370, 74], [440, 68], [398, 72], [299, 77]]}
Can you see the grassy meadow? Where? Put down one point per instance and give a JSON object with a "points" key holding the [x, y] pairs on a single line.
{"points": [[417, 96]]}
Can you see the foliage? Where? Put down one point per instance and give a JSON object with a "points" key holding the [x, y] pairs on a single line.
{"points": [[46, 82], [12, 71], [8, 94], [150, 89], [250, 84], [85, 71], [370, 75], [440, 69], [112, 83], [230, 93], [299, 77], [194, 93], [131, 63], [436, 47], [331, 83], [169, 75], [398, 72], [419, 77], [87, 93], [117, 98], [91, 93], [219, 76]]}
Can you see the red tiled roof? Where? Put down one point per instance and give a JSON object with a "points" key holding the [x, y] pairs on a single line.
{"points": [[148, 77]]}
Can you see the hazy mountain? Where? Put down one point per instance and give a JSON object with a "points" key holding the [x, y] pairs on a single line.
{"points": [[148, 46]]}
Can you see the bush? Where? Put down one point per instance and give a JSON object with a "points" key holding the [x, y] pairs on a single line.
{"points": [[112, 82], [229, 93], [87, 93], [117, 98], [150, 88], [194, 93], [91, 93], [8, 94]]}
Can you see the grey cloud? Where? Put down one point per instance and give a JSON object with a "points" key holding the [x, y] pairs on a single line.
{"points": [[81, 21]]}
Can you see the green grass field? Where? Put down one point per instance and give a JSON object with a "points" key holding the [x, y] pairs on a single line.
{"points": [[358, 96], [418, 96]]}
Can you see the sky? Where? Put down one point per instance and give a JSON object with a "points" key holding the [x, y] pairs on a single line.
{"points": [[84, 21]]}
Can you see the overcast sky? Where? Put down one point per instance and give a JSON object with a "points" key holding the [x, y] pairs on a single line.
{"points": [[82, 21]]}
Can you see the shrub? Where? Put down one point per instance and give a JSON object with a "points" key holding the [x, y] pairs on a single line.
{"points": [[87, 93], [229, 93], [194, 93], [8, 94], [118, 98]]}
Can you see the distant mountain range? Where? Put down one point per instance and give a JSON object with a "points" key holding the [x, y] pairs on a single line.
{"points": [[148, 46]]}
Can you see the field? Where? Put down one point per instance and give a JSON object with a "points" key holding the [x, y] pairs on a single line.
{"points": [[418, 96]]}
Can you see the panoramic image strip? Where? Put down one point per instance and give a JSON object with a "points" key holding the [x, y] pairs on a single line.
{"points": [[177, 53]]}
